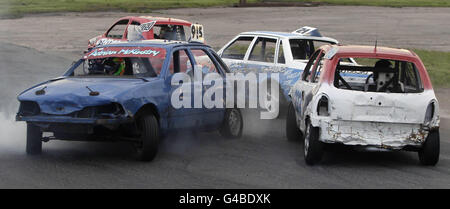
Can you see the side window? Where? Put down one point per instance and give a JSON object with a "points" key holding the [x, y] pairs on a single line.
{"points": [[180, 62], [238, 48], [133, 32], [281, 59], [410, 77], [118, 30], [303, 49], [317, 69], [263, 50], [223, 66], [299, 49], [309, 65], [146, 66], [203, 61]]}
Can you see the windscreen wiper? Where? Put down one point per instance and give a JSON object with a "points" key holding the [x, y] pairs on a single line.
{"points": [[142, 78], [57, 79]]}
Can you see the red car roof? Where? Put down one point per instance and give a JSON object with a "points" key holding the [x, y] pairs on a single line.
{"points": [[370, 51], [159, 20], [380, 53]]}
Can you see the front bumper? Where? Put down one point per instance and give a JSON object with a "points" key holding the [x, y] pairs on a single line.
{"points": [[365, 133], [72, 120]]}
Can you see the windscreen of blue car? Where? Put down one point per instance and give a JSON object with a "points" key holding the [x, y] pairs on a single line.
{"points": [[117, 61]]}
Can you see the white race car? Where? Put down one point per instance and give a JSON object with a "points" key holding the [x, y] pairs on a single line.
{"points": [[280, 52]]}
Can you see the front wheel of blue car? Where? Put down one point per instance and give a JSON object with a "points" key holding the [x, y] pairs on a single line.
{"points": [[34, 140], [147, 146], [232, 124]]}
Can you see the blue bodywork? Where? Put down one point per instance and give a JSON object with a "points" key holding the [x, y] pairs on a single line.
{"points": [[287, 76], [63, 100], [290, 69]]}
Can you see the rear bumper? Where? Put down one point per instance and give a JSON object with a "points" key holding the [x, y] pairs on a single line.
{"points": [[365, 133], [71, 120]]}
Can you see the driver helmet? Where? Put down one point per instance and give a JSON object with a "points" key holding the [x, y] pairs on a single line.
{"points": [[380, 64], [116, 66]]}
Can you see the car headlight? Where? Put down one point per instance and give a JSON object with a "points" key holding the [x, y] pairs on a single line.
{"points": [[104, 111], [28, 108]]}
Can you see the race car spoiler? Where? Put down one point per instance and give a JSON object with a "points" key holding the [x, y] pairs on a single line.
{"points": [[308, 31]]}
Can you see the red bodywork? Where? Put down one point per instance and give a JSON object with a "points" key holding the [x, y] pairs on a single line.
{"points": [[141, 19], [354, 51], [126, 52]]}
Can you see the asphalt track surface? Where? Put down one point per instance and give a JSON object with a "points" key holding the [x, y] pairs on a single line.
{"points": [[415, 27], [262, 158]]}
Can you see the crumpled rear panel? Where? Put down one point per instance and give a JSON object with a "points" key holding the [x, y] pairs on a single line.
{"points": [[391, 135]]}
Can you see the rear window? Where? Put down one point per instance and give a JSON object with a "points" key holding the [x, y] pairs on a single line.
{"points": [[170, 32], [378, 75]]}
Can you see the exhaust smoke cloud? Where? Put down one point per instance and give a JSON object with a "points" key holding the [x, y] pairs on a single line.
{"points": [[12, 133]]}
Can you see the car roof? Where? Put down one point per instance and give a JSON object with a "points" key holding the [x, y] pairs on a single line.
{"points": [[289, 35], [159, 20], [360, 50]]}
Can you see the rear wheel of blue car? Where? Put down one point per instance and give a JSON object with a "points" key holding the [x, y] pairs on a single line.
{"points": [[147, 146], [232, 124], [281, 100], [293, 133], [429, 153], [34, 140]]}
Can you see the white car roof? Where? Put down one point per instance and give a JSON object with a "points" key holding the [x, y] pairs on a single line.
{"points": [[289, 36]]}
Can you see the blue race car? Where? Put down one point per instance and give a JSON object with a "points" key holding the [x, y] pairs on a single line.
{"points": [[123, 92]]}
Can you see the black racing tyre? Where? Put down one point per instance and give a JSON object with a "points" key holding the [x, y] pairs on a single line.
{"points": [[232, 124], [34, 140], [429, 153], [283, 105], [313, 148], [149, 139], [293, 133]]}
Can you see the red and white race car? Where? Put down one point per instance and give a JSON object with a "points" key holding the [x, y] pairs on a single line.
{"points": [[385, 102], [132, 28]]}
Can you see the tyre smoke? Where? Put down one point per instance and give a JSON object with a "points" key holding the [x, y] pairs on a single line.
{"points": [[12, 133]]}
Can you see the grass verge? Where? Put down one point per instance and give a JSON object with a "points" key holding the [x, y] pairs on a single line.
{"points": [[438, 66], [385, 3], [17, 8]]}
